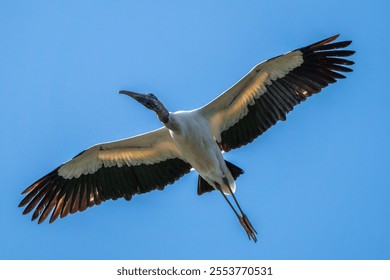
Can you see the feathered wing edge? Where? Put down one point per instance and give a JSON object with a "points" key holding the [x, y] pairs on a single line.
{"points": [[272, 89], [53, 194]]}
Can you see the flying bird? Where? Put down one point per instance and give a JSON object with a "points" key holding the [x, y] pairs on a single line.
{"points": [[192, 139]]}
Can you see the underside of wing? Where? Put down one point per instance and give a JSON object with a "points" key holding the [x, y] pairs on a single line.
{"points": [[106, 171], [272, 89]]}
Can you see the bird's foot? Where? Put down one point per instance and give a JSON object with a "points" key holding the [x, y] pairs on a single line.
{"points": [[249, 229]]}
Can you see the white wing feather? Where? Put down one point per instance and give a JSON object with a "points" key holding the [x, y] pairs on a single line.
{"points": [[148, 148], [229, 107]]}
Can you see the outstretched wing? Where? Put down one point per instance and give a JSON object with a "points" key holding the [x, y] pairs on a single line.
{"points": [[106, 171], [271, 90]]}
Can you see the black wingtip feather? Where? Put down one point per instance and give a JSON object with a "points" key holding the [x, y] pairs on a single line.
{"points": [[320, 43], [52, 194], [333, 46]]}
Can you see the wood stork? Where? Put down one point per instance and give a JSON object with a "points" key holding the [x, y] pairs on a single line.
{"points": [[190, 139]]}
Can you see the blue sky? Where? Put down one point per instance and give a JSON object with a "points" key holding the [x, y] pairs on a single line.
{"points": [[315, 187]]}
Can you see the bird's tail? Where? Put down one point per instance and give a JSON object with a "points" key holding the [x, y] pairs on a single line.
{"points": [[204, 187], [234, 169]]}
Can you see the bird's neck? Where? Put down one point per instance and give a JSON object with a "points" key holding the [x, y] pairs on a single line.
{"points": [[162, 113], [163, 117]]}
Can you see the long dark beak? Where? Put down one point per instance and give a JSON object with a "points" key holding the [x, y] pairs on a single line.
{"points": [[141, 98], [136, 96], [151, 102]]}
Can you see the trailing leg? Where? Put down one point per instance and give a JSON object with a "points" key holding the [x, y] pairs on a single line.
{"points": [[243, 219]]}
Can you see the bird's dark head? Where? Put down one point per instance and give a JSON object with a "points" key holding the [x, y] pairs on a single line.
{"points": [[151, 102]]}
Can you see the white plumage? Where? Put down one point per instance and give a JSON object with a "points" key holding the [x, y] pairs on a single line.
{"points": [[146, 148]]}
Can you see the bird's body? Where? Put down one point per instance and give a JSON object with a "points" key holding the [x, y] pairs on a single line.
{"points": [[193, 138], [190, 139]]}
